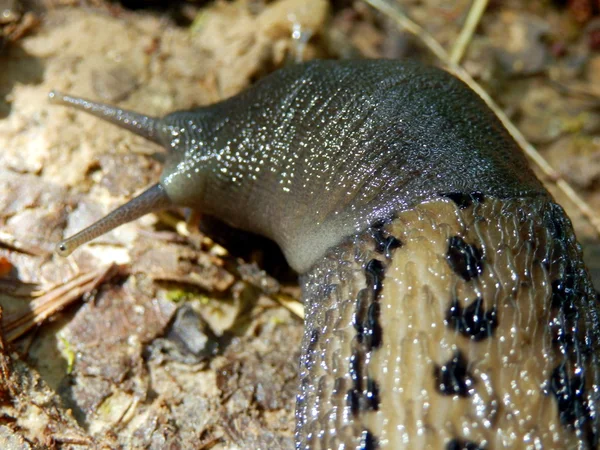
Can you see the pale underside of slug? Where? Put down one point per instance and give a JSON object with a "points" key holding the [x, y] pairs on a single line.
{"points": [[457, 325]]}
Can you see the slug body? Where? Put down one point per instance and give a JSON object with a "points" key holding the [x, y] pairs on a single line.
{"points": [[447, 305]]}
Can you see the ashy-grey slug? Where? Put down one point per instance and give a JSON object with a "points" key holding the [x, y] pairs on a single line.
{"points": [[447, 304]]}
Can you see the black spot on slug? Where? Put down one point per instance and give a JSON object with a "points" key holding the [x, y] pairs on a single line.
{"points": [[374, 271], [366, 318], [353, 394], [382, 222], [355, 370], [372, 395], [314, 339], [477, 197], [453, 378], [363, 300], [391, 244], [463, 201], [473, 321], [361, 401], [464, 259], [310, 348], [385, 244], [372, 329], [379, 224], [352, 401], [368, 337], [459, 444], [368, 441], [568, 386]]}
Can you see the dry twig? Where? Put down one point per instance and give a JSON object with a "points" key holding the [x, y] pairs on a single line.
{"points": [[464, 38], [45, 306], [398, 16], [290, 303]]}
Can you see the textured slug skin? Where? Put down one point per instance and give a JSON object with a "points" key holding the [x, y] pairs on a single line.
{"points": [[460, 324], [447, 306], [315, 152]]}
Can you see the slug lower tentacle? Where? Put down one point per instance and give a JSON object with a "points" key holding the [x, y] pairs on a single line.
{"points": [[152, 199], [447, 302]]}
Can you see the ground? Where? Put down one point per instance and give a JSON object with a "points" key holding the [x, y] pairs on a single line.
{"points": [[155, 336]]}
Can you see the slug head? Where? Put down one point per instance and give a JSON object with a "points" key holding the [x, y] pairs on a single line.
{"points": [[188, 161]]}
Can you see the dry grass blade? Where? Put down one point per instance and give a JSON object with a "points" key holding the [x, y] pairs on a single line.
{"points": [[290, 303], [10, 242], [73, 440], [43, 307], [464, 38], [393, 12]]}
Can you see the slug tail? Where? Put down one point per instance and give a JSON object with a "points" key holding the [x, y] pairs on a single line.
{"points": [[152, 199], [137, 123]]}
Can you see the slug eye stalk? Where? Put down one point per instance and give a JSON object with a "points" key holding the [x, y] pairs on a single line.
{"points": [[139, 124], [152, 199]]}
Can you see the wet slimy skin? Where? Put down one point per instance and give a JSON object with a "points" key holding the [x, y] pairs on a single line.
{"points": [[447, 305], [463, 336]]}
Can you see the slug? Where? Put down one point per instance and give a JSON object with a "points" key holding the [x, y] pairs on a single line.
{"points": [[447, 304]]}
